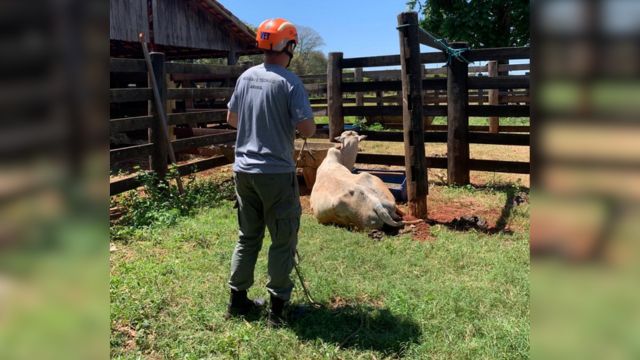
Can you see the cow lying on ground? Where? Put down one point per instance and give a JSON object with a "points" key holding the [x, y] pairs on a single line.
{"points": [[342, 198]]}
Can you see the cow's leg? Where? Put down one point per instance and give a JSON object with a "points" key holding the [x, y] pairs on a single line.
{"points": [[282, 213], [251, 232]]}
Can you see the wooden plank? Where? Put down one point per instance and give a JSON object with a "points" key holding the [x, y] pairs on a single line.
{"points": [[204, 140], [130, 123], [334, 95], [370, 61], [425, 38], [494, 98], [357, 77], [130, 152], [499, 139], [199, 93], [205, 69], [143, 122], [392, 85], [412, 114], [127, 65], [130, 95], [133, 182], [499, 110], [207, 116], [488, 54], [499, 82], [458, 121], [157, 129], [390, 110], [512, 167]]}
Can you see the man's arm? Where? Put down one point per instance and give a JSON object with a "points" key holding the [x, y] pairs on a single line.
{"points": [[306, 128], [232, 119]]}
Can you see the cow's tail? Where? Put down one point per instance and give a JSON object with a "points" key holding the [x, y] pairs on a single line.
{"points": [[385, 216]]}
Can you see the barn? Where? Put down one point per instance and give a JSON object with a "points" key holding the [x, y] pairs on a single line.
{"points": [[182, 29]]}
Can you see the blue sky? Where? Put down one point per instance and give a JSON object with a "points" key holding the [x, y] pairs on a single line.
{"points": [[354, 27]]}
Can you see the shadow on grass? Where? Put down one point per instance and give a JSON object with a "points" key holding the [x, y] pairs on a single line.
{"points": [[359, 327]]}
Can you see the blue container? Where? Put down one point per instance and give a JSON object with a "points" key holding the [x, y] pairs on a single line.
{"points": [[346, 127], [396, 181]]}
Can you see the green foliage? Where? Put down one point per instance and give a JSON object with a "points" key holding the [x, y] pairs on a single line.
{"points": [[162, 204], [486, 23], [364, 125]]}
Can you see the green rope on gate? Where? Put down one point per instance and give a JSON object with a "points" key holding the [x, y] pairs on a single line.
{"points": [[453, 53]]}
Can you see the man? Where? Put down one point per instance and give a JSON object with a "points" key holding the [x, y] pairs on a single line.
{"points": [[268, 106]]}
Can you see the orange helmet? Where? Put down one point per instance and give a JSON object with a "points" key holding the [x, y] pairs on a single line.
{"points": [[276, 34]]}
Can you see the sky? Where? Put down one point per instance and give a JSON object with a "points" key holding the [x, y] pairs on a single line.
{"points": [[354, 27]]}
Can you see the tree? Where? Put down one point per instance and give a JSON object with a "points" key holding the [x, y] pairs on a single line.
{"points": [[481, 23], [308, 58]]}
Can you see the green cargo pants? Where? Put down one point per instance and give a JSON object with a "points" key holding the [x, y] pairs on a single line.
{"points": [[270, 200]]}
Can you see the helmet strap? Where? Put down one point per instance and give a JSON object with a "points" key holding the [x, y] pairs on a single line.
{"points": [[290, 53]]}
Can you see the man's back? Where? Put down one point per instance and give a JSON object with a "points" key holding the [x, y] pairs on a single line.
{"points": [[269, 101]]}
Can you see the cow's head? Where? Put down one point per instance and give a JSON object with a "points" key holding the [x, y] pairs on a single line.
{"points": [[349, 135], [349, 147]]}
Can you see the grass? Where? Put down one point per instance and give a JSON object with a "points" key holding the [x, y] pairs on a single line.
{"points": [[463, 296]]}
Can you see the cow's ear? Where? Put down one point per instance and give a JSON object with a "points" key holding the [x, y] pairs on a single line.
{"points": [[362, 137], [338, 138]]}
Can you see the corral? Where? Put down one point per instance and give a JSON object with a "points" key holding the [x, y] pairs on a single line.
{"points": [[460, 291]]}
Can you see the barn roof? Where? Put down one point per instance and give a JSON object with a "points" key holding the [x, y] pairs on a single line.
{"points": [[181, 29]]}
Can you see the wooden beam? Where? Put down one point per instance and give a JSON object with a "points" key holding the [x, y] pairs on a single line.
{"points": [[130, 152], [499, 82], [334, 95], [494, 98], [133, 182], [205, 69], [199, 93], [499, 110], [458, 120], [204, 140], [127, 65], [130, 95], [512, 167], [412, 114], [509, 53], [157, 136]]}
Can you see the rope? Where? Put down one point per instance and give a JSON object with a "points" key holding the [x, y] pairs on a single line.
{"points": [[451, 52], [296, 260], [296, 266]]}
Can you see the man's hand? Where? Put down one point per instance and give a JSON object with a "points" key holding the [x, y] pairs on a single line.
{"points": [[306, 128], [232, 119]]}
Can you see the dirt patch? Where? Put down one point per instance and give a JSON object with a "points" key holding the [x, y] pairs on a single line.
{"points": [[338, 302], [418, 228], [129, 335]]}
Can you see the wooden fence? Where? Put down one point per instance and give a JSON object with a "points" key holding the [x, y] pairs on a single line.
{"points": [[413, 84], [179, 74], [457, 96]]}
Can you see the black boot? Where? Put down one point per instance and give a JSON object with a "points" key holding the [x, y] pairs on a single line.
{"points": [[276, 315], [240, 304]]}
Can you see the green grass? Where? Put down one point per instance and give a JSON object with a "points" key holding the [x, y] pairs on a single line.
{"points": [[463, 296]]}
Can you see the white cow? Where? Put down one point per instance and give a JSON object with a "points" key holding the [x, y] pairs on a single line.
{"points": [[342, 198]]}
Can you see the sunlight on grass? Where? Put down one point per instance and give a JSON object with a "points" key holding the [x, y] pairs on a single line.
{"points": [[464, 295]]}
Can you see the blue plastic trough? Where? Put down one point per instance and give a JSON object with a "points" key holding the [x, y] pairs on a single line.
{"points": [[396, 181]]}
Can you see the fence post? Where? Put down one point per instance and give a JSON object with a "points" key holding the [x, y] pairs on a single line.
{"points": [[494, 98], [357, 76], [334, 95], [457, 120], [160, 152], [412, 115]]}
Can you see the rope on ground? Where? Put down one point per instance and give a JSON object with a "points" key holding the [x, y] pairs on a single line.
{"points": [[296, 266]]}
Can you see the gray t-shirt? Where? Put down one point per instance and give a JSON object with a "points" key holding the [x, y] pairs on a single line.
{"points": [[269, 100]]}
